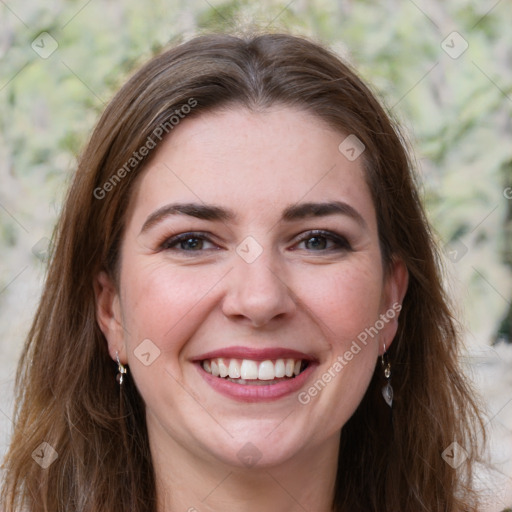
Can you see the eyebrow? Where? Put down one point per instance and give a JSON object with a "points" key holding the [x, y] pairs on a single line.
{"points": [[197, 210], [216, 213], [307, 210]]}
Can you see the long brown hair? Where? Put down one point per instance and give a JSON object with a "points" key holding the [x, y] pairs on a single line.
{"points": [[67, 395]]}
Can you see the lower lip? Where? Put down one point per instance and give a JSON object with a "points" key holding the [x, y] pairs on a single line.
{"points": [[261, 393]]}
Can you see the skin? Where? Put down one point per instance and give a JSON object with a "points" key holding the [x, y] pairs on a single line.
{"points": [[300, 293]]}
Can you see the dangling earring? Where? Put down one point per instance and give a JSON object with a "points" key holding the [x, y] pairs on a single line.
{"points": [[387, 390], [121, 369]]}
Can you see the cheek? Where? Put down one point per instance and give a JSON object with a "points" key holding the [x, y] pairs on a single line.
{"points": [[345, 302], [163, 302]]}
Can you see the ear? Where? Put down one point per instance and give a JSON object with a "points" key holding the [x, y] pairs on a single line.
{"points": [[395, 287], [108, 314]]}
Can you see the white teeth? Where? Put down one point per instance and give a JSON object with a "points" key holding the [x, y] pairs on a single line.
{"points": [[249, 369], [289, 367], [223, 369], [243, 370], [280, 369], [234, 369], [266, 371]]}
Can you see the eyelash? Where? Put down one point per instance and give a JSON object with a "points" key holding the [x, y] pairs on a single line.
{"points": [[342, 244], [168, 243]]}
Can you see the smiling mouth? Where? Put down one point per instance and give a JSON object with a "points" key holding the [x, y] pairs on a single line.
{"points": [[254, 373]]}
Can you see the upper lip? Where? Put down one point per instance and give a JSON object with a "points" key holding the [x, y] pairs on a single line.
{"points": [[255, 354]]}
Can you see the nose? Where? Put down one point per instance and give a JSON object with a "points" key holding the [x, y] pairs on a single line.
{"points": [[257, 292]]}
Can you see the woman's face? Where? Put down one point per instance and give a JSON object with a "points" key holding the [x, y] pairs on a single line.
{"points": [[251, 249]]}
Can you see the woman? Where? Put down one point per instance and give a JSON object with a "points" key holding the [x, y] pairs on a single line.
{"points": [[244, 308]]}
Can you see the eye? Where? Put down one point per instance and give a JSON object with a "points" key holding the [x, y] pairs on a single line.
{"points": [[321, 241], [187, 242]]}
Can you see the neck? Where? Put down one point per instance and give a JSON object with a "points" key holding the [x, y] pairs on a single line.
{"points": [[186, 482]]}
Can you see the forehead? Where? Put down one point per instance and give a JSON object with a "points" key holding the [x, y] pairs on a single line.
{"points": [[255, 161]]}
